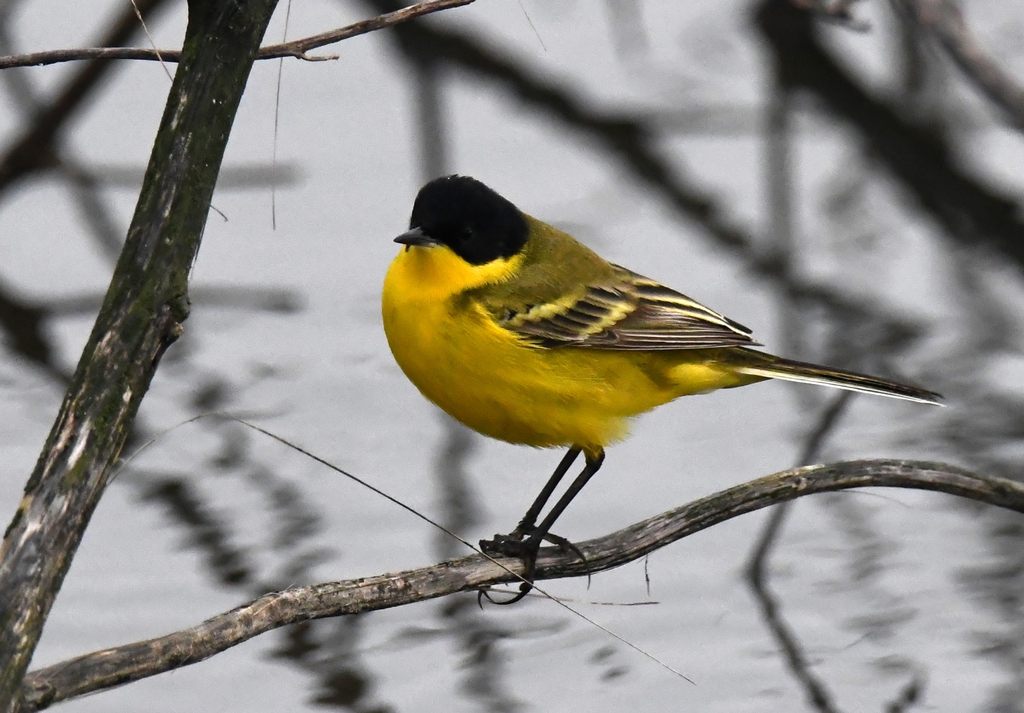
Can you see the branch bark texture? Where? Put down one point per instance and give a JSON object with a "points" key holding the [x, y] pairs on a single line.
{"points": [[142, 315], [116, 666]]}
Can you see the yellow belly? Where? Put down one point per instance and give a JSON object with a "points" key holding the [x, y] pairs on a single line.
{"points": [[493, 382]]}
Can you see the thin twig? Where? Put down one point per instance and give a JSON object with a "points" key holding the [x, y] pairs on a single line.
{"points": [[828, 421], [295, 48], [116, 666]]}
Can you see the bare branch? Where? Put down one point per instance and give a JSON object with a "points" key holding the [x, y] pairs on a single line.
{"points": [[141, 316], [38, 59], [298, 48], [123, 664], [295, 48], [944, 20]]}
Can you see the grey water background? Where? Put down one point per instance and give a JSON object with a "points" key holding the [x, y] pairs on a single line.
{"points": [[765, 205]]}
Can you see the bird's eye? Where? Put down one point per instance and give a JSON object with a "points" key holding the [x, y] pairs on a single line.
{"points": [[466, 234]]}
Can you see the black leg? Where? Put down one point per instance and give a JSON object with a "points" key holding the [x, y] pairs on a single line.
{"points": [[510, 544], [514, 545], [526, 525], [593, 465]]}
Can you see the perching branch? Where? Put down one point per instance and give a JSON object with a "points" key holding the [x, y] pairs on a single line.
{"points": [[945, 21], [142, 315], [295, 48], [123, 664]]}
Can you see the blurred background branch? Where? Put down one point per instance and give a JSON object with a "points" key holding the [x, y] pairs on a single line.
{"points": [[944, 20]]}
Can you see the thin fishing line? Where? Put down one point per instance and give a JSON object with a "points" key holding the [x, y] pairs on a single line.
{"points": [[532, 26], [413, 511], [152, 42], [277, 116]]}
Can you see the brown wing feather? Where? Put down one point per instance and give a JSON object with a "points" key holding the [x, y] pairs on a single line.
{"points": [[627, 312]]}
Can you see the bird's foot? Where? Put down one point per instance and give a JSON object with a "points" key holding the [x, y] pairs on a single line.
{"points": [[511, 545], [524, 544], [514, 545]]}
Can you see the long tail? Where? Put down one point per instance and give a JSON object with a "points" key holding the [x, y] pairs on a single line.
{"points": [[779, 368]]}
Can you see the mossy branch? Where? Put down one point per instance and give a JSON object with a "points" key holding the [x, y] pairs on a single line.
{"points": [[142, 315], [116, 666]]}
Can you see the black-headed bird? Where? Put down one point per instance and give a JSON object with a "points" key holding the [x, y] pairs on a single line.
{"points": [[525, 335]]}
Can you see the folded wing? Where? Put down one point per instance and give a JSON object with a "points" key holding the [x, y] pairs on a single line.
{"points": [[626, 312]]}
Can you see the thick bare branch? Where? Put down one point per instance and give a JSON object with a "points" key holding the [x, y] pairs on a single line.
{"points": [[141, 316], [295, 48], [116, 666]]}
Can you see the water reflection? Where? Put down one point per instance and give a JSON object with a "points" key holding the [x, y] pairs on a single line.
{"points": [[890, 243]]}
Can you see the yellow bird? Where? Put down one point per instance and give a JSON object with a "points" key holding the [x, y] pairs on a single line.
{"points": [[526, 335]]}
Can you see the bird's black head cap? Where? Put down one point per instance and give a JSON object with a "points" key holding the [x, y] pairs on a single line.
{"points": [[471, 219]]}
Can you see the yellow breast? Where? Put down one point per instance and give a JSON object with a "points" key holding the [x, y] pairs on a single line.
{"points": [[494, 382]]}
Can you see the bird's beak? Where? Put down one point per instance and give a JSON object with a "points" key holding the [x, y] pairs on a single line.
{"points": [[417, 237]]}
